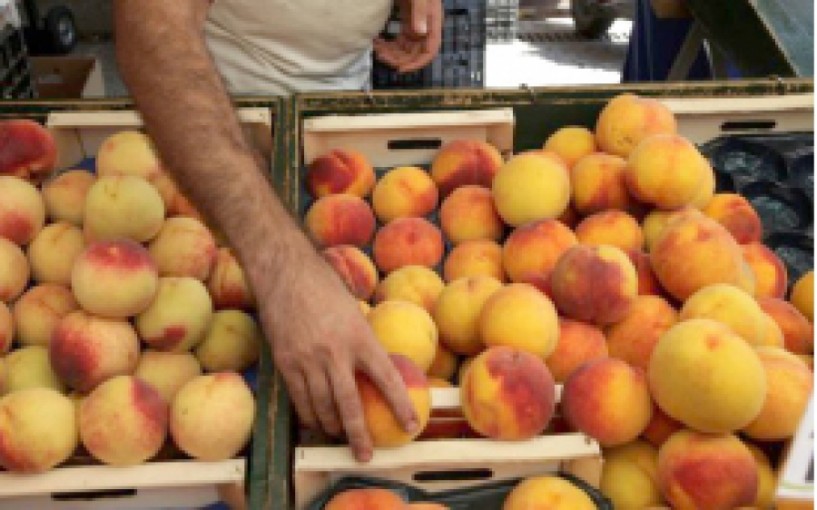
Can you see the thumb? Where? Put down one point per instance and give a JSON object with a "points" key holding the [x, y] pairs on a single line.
{"points": [[419, 17]]}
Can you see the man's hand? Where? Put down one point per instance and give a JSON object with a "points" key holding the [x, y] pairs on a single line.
{"points": [[419, 39]]}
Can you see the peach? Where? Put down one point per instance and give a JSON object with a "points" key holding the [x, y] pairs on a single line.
{"points": [[469, 214], [531, 187], [38, 430], [613, 228], [578, 344], [406, 191], [53, 252], [340, 171], [730, 306], [355, 268], [6, 332], [772, 335], [608, 400], [232, 342], [128, 153], [427, 506], [183, 247], [571, 143], [14, 271], [798, 332], [474, 258], [407, 329], [531, 251], [114, 279], [366, 499], [22, 212], [38, 312], [653, 223], [3, 376], [630, 476], [767, 479], [28, 150], [225, 403], [124, 421], [520, 316], [647, 282], [770, 275], [729, 386], [167, 372], [29, 367], [406, 242], [598, 184], [693, 253], [340, 219], [228, 284], [666, 171], [802, 295], [123, 206], [64, 196], [737, 215], [548, 492], [634, 337], [706, 191], [628, 119], [660, 428], [508, 394], [457, 312], [715, 472], [384, 429], [464, 162], [595, 284], [444, 365], [415, 284], [464, 366], [178, 318]]}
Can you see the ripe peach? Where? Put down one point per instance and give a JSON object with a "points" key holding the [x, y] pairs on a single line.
{"points": [[128, 153], [340, 171], [407, 329], [39, 310], [38, 430], [178, 318], [729, 386], [415, 284], [531, 187], [427, 506], [232, 342], [767, 479], [571, 143], [630, 476], [457, 312], [660, 428], [406, 242], [6, 333], [548, 492], [167, 372], [613, 228], [64, 196], [340, 219], [123, 206], [653, 223], [406, 191], [14, 271], [474, 258], [114, 279], [520, 316], [366, 499], [802, 295], [29, 367], [28, 150], [628, 119], [3, 376], [227, 283], [728, 305], [772, 334], [647, 282], [598, 184], [469, 214], [531, 252], [798, 332], [22, 212], [444, 365], [634, 337], [706, 191], [355, 268], [225, 403], [183, 247], [770, 275], [464, 162], [508, 394], [595, 284], [53, 252], [124, 421], [578, 344], [737, 215]]}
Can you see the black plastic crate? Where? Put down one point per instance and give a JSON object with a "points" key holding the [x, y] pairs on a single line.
{"points": [[15, 72], [502, 21]]}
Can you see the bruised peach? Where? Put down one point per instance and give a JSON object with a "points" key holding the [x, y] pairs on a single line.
{"points": [[598, 184], [366, 499], [123, 206], [64, 196], [178, 317], [22, 212], [771, 277], [474, 258], [407, 329], [728, 305], [406, 191], [647, 282], [531, 187], [415, 284], [629, 476], [167, 372], [548, 492], [29, 367], [6, 334], [578, 344], [27, 150], [628, 119], [53, 252], [464, 162], [228, 284], [340, 219], [39, 310], [183, 247], [613, 228], [802, 295], [571, 143], [340, 171], [406, 242], [531, 251], [798, 332], [128, 153], [355, 268], [633, 338], [520, 316], [469, 214], [660, 428], [457, 312], [737, 215]]}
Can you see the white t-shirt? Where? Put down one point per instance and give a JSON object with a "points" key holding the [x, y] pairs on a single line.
{"points": [[277, 47]]}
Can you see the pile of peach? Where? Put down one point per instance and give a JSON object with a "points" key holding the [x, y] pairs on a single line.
{"points": [[122, 320], [604, 261]]}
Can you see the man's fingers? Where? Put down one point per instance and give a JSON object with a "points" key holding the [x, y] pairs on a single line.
{"points": [[385, 376], [323, 401], [419, 17], [300, 397], [351, 412]]}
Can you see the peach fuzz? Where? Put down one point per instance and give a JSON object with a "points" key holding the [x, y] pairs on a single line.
{"points": [[64, 196], [340, 171], [29, 367], [613, 228], [444, 365], [508, 394], [22, 212], [355, 268], [608, 400], [730, 306], [474, 258], [128, 153], [384, 429], [114, 279], [167, 372], [178, 317], [28, 150], [232, 342], [406, 329], [715, 472], [647, 282], [571, 144], [469, 214], [366, 499], [595, 284], [802, 295], [597, 183], [406, 191], [415, 284], [770, 274], [531, 187], [458, 310], [406, 242], [228, 284], [340, 219], [634, 337], [629, 476], [464, 162], [767, 479], [798, 332], [660, 428], [548, 492], [730, 386], [578, 344], [38, 430], [7, 329], [531, 252], [183, 247], [737, 215], [521, 317], [123, 206], [53, 252], [14, 271], [38, 312], [627, 119]]}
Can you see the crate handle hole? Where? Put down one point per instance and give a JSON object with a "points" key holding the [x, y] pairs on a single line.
{"points": [[457, 475], [748, 125], [415, 144], [94, 495]]}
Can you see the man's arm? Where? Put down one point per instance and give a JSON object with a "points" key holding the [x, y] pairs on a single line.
{"points": [[319, 336]]}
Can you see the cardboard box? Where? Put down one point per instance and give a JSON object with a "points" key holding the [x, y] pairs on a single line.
{"points": [[67, 77]]}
